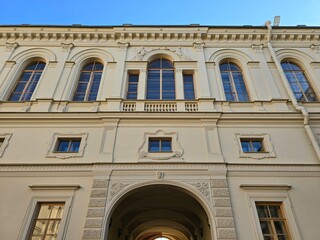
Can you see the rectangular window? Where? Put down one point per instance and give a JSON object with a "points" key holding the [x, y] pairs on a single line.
{"points": [[188, 86], [133, 86], [250, 145], [68, 145], [160, 145], [47, 221], [272, 221]]}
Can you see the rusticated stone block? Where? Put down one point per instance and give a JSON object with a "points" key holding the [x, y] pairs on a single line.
{"points": [[97, 202], [223, 212], [95, 212], [91, 234], [225, 223], [220, 192], [226, 233], [219, 183], [221, 202], [100, 183], [98, 193], [93, 223]]}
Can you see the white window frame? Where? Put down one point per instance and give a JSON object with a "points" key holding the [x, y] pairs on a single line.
{"points": [[268, 152], [271, 193], [64, 155], [5, 143], [49, 194]]}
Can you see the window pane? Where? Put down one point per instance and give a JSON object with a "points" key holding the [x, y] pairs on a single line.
{"points": [[74, 146], [188, 86], [266, 227], [257, 146], [154, 145], [166, 145], [40, 227], [53, 227], [245, 146], [63, 146]]}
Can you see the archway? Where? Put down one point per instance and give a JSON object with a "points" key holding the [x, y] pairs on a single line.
{"points": [[158, 212]]}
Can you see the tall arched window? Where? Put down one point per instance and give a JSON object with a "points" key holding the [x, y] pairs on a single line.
{"points": [[89, 81], [161, 84], [27, 82], [298, 82], [233, 83]]}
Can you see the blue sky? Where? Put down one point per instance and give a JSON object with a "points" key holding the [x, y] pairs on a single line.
{"points": [[161, 12]]}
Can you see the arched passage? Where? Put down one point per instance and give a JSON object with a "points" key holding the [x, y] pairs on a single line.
{"points": [[156, 212]]}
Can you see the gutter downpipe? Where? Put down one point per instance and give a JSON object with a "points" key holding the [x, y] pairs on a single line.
{"points": [[293, 99]]}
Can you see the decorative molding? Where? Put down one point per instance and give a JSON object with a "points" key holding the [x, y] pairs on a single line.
{"points": [[116, 188], [257, 48], [11, 46], [67, 47], [266, 141], [123, 45], [182, 53], [65, 155], [54, 187], [203, 188], [160, 175], [265, 186], [6, 138], [315, 48], [198, 46], [176, 152]]}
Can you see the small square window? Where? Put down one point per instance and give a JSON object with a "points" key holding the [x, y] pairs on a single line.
{"points": [[68, 145], [160, 145], [252, 145]]}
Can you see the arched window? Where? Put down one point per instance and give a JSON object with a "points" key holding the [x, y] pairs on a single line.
{"points": [[298, 82], [233, 83], [161, 84], [89, 81], [27, 82]]}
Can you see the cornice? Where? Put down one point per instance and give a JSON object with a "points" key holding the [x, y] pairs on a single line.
{"points": [[153, 34]]}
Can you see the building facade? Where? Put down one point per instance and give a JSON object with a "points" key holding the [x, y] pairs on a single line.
{"points": [[159, 132]]}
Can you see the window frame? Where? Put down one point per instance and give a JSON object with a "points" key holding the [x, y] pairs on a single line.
{"points": [[232, 84], [161, 70], [270, 193], [49, 194], [23, 71], [90, 81], [70, 142], [297, 82], [52, 153], [160, 146], [269, 151], [176, 152], [132, 83]]}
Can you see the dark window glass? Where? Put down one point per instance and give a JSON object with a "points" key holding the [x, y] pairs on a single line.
{"points": [[252, 145], [160, 145], [68, 145], [188, 86], [233, 83], [298, 82], [89, 82], [161, 83], [133, 86], [27, 83]]}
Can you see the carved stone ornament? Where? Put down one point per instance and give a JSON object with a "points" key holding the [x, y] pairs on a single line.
{"points": [[203, 188], [198, 45], [258, 48], [116, 188], [66, 47], [315, 47], [176, 153], [11, 46], [123, 45], [182, 53], [160, 175]]}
